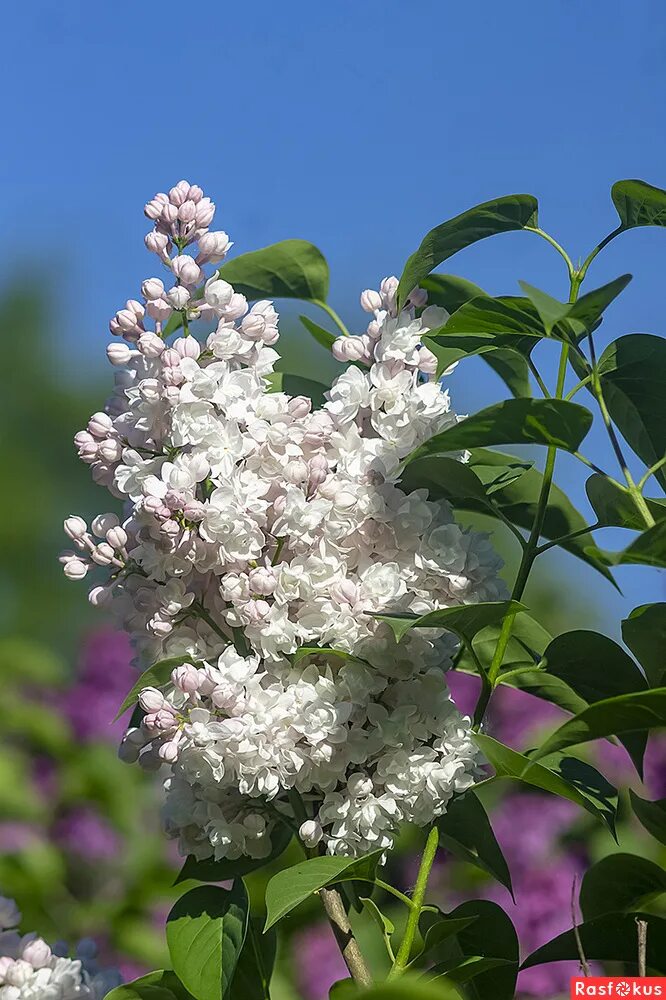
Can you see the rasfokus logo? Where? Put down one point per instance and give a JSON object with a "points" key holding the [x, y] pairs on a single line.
{"points": [[618, 986]]}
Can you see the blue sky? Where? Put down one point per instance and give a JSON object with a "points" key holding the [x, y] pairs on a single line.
{"points": [[357, 124]]}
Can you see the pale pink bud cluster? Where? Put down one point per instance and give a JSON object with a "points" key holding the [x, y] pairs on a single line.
{"points": [[111, 551], [183, 215]]}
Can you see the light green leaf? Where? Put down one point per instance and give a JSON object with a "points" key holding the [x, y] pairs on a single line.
{"points": [[567, 777], [162, 985], [527, 643], [291, 269], [633, 375], [487, 321], [465, 619], [470, 967], [620, 883], [611, 938], [156, 676], [639, 204], [550, 310], [205, 933], [502, 215], [465, 831], [626, 713], [652, 815], [210, 870], [323, 337], [296, 385], [405, 988], [615, 506], [436, 928], [552, 422], [290, 887], [644, 632]]}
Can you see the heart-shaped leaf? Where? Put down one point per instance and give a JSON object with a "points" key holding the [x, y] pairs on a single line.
{"points": [[205, 933], [620, 883], [290, 887], [644, 632], [639, 204], [611, 938], [502, 215]]}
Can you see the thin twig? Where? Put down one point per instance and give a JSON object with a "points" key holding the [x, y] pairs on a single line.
{"points": [[574, 920], [347, 943], [642, 946]]}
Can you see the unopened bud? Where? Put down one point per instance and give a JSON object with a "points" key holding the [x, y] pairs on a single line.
{"points": [[103, 554], [218, 293], [186, 678], [100, 425], [186, 269], [349, 349], [103, 523], [75, 527], [310, 832], [371, 301], [117, 538], [151, 700], [263, 580], [118, 354], [150, 345], [157, 243], [187, 347], [37, 953], [178, 297]]}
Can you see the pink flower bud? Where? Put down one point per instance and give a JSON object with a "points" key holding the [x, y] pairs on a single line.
{"points": [[170, 528], [100, 425], [345, 592], [162, 721], [310, 832], [169, 214], [75, 527], [186, 678], [103, 554], [194, 510], [118, 354], [349, 349], [204, 213], [178, 194], [153, 208], [75, 568], [151, 700], [186, 269], [103, 523], [152, 288], [279, 505], [187, 347], [427, 361], [187, 211], [37, 953], [5, 963], [218, 293], [178, 297], [150, 345], [299, 406], [168, 752], [86, 446], [111, 450], [157, 243], [126, 320], [371, 301], [195, 193], [213, 247], [117, 537], [159, 310], [256, 611], [263, 580]]}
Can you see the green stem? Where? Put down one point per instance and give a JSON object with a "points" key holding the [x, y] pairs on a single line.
{"points": [[569, 537], [562, 252], [582, 270], [581, 385], [418, 899], [589, 463], [537, 377], [650, 472], [332, 313], [393, 892]]}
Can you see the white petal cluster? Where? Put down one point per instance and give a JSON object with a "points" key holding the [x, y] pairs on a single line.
{"points": [[262, 536], [31, 970]]}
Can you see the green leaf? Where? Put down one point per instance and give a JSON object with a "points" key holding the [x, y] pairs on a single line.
{"points": [[652, 815], [611, 938], [502, 215], [162, 985], [633, 374], [518, 502], [465, 619], [210, 870], [639, 204], [615, 506], [444, 478], [620, 883], [205, 933], [626, 713], [255, 966], [486, 321], [491, 935], [582, 315], [465, 831], [449, 291], [551, 311], [436, 928], [567, 777], [552, 422], [541, 684], [337, 654], [644, 632], [156, 676], [649, 549], [446, 356], [595, 667], [527, 643], [296, 385], [469, 968], [290, 887], [291, 269], [512, 369], [386, 926], [405, 988], [322, 336]]}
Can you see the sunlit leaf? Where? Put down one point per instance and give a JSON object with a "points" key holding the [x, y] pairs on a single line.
{"points": [[639, 203]]}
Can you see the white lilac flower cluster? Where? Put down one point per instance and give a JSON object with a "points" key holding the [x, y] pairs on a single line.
{"points": [[261, 538], [31, 970]]}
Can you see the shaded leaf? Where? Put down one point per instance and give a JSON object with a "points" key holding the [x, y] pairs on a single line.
{"points": [[449, 291], [290, 887], [615, 506], [644, 632], [156, 676], [465, 620], [436, 928], [404, 988], [465, 831], [210, 870], [469, 968], [498, 216], [633, 374], [296, 385], [639, 203], [255, 966], [491, 935], [162, 985], [652, 815], [205, 933], [620, 883], [512, 369], [386, 926], [321, 335], [567, 777], [611, 938], [649, 549]]}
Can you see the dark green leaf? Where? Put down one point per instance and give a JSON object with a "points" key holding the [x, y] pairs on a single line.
{"points": [[487, 321], [446, 356], [449, 291], [580, 316], [649, 549], [541, 684], [553, 422], [465, 619], [210, 870], [436, 928], [644, 632], [291, 269], [527, 643], [443, 478], [386, 926], [205, 933], [290, 887], [465, 831], [611, 938], [404, 988], [512, 369], [156, 676], [620, 883], [626, 713], [296, 385], [322, 336], [255, 966], [639, 204], [162, 985], [470, 967], [633, 374], [567, 777], [491, 935], [652, 815], [615, 506], [499, 216], [589, 308], [551, 311], [337, 654]]}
